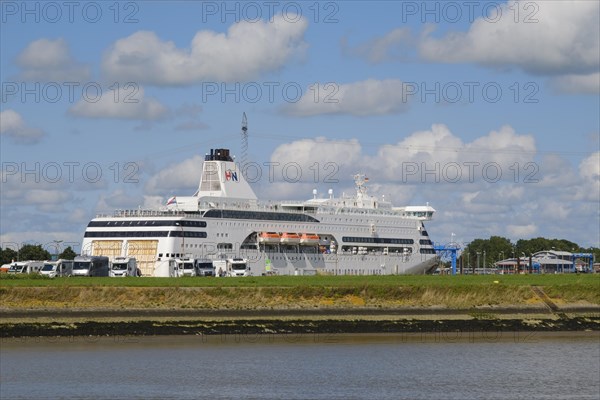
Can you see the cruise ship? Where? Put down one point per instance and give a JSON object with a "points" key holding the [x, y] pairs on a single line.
{"points": [[355, 234]]}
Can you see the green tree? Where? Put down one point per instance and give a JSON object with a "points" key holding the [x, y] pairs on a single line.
{"points": [[493, 249], [7, 255], [33, 252], [67, 254]]}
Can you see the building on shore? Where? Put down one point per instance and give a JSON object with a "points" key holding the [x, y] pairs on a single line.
{"points": [[547, 262]]}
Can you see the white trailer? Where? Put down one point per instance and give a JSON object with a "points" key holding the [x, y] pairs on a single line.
{"points": [[167, 268], [123, 266], [26, 267]]}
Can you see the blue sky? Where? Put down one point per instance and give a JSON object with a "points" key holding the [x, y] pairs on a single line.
{"points": [[488, 111]]}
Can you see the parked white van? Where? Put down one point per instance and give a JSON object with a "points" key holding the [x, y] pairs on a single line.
{"points": [[123, 266], [56, 268], [186, 266]]}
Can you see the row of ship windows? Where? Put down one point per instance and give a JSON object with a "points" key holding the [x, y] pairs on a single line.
{"points": [[425, 242], [348, 239], [261, 215], [364, 221], [303, 228], [149, 223], [146, 234]]}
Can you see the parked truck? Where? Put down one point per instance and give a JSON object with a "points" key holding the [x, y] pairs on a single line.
{"points": [[186, 266], [90, 266], [124, 266], [231, 267], [56, 268]]}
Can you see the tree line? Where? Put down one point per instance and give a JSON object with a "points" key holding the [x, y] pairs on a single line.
{"points": [[32, 252], [498, 248]]}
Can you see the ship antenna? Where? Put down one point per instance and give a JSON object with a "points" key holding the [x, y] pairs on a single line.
{"points": [[244, 142]]}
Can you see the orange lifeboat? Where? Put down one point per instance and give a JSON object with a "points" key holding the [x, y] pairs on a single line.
{"points": [[269, 237], [309, 239], [290, 238]]}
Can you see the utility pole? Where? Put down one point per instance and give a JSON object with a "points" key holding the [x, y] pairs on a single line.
{"points": [[484, 262]]}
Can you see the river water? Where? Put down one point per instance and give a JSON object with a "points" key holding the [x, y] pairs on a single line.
{"points": [[413, 366]]}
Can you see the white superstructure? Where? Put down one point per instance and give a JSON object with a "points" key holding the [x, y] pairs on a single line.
{"points": [[358, 234]]}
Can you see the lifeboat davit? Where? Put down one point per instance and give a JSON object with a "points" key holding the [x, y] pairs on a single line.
{"points": [[309, 239], [269, 237], [290, 238]]}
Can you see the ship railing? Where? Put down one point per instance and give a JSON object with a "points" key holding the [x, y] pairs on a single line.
{"points": [[143, 213]]}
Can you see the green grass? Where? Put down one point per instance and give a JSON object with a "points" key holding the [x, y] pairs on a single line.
{"points": [[592, 280], [295, 291]]}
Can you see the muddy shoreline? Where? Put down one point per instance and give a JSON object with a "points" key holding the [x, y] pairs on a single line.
{"points": [[259, 327], [350, 323]]}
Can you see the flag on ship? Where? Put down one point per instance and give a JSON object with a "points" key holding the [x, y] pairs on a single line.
{"points": [[172, 200]]}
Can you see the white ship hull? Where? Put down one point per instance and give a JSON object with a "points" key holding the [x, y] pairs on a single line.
{"points": [[360, 235]]}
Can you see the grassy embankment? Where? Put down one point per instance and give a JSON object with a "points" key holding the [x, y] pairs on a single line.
{"points": [[286, 292]]}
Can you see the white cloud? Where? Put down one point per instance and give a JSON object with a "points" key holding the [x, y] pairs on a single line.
{"points": [[369, 97], [41, 196], [246, 51], [522, 231], [306, 152], [183, 176], [392, 46], [587, 84], [564, 40], [50, 60], [13, 126], [589, 168], [558, 39], [128, 102], [425, 155], [118, 199]]}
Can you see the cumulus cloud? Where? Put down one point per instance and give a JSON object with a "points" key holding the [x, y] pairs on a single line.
{"points": [[564, 40], [51, 60], [369, 97], [127, 102], [183, 176], [14, 127], [522, 231], [557, 39], [426, 155], [589, 168], [391, 46], [118, 199], [246, 51], [586, 84]]}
